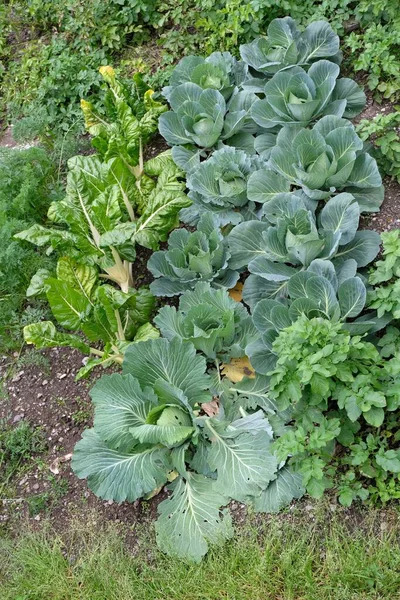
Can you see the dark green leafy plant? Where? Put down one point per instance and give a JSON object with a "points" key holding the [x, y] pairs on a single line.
{"points": [[385, 298], [113, 201], [335, 382], [28, 182], [190, 258]]}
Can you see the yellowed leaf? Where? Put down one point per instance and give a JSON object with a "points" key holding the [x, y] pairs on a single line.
{"points": [[236, 292], [237, 369]]}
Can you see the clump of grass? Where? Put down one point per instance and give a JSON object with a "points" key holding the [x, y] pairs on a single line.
{"points": [[282, 559]]}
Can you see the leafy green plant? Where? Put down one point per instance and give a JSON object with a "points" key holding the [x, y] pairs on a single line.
{"points": [[297, 97], [215, 324], [291, 239], [113, 201], [317, 292], [375, 47], [164, 424], [325, 159], [219, 71], [286, 46], [383, 131], [190, 258], [385, 298], [219, 185], [28, 182], [334, 381], [200, 118], [79, 302]]}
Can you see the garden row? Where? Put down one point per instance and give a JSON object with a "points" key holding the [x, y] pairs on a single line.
{"points": [[296, 389]]}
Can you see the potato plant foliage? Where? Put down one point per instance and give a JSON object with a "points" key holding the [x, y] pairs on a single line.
{"points": [[278, 179]]}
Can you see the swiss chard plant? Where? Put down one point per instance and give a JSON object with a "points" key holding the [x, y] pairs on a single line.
{"points": [[219, 185], [190, 258], [169, 424], [114, 201], [79, 301], [211, 320], [292, 236]]}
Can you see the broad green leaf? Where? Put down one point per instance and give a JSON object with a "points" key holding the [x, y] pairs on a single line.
{"points": [[341, 215], [264, 185], [352, 296], [172, 428], [37, 285], [363, 248], [80, 277], [280, 492], [69, 306], [120, 405], [119, 476], [45, 335], [246, 242], [190, 520], [175, 362], [244, 464]]}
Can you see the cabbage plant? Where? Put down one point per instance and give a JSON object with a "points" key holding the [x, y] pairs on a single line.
{"points": [[216, 325], [294, 96], [190, 258], [321, 291], [285, 46], [320, 161], [200, 119], [163, 421], [292, 236], [219, 71], [219, 185]]}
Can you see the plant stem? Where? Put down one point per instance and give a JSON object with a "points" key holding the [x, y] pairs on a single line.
{"points": [[121, 334]]}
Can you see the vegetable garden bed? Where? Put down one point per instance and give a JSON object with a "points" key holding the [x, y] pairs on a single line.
{"points": [[209, 436]]}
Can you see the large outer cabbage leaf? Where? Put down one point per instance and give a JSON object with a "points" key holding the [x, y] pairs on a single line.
{"points": [[175, 362], [191, 519]]}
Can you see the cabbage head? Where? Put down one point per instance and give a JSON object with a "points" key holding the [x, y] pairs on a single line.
{"points": [[190, 258], [285, 46], [321, 161], [216, 325], [219, 185], [219, 71], [292, 237], [295, 97]]}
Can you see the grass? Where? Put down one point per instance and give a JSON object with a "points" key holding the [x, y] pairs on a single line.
{"points": [[281, 560]]}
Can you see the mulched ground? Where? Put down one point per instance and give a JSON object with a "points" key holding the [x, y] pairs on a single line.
{"points": [[60, 407]]}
